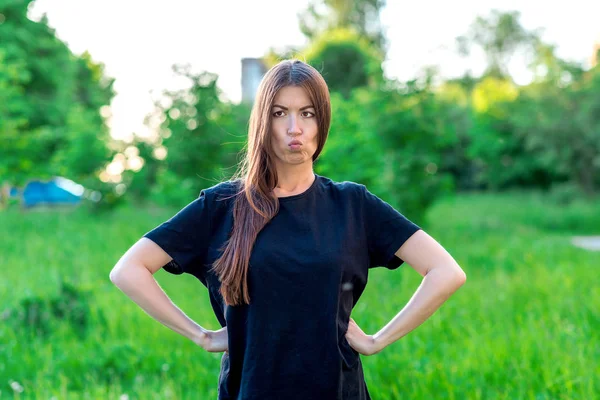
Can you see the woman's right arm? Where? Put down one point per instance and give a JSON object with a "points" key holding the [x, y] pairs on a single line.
{"points": [[133, 275]]}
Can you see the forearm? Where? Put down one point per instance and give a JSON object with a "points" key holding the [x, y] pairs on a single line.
{"points": [[141, 287], [437, 286]]}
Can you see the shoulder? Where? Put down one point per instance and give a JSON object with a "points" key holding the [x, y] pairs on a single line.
{"points": [[221, 191], [220, 197], [342, 188]]}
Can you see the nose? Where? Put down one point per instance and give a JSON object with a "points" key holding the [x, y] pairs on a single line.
{"points": [[293, 125]]}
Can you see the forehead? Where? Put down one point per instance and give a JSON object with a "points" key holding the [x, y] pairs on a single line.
{"points": [[292, 96]]}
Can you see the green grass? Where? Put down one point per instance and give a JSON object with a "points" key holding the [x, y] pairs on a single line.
{"points": [[525, 325]]}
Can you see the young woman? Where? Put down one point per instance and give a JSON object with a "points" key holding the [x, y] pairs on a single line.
{"points": [[285, 255]]}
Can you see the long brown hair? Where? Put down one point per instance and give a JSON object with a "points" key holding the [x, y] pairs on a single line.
{"points": [[255, 202]]}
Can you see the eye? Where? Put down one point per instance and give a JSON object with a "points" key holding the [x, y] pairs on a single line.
{"points": [[275, 114], [310, 114]]}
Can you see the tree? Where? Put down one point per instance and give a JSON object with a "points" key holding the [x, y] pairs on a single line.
{"points": [[50, 122], [361, 16], [345, 60], [201, 134], [549, 68], [561, 125], [500, 36], [396, 141]]}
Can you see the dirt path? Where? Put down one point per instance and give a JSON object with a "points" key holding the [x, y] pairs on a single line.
{"points": [[587, 242]]}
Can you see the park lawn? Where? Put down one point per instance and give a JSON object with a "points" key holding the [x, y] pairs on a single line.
{"points": [[524, 326]]}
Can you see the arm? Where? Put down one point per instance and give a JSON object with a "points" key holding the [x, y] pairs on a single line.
{"points": [[133, 275], [442, 277]]}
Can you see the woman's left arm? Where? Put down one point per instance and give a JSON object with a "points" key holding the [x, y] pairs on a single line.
{"points": [[442, 277]]}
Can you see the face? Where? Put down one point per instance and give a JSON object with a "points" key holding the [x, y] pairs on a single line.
{"points": [[293, 119]]}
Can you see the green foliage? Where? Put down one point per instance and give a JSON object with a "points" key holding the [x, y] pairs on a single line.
{"points": [[361, 16], [545, 134], [171, 188], [565, 193], [500, 36], [346, 60], [51, 124], [353, 151], [401, 143], [465, 133], [40, 316], [203, 136], [122, 360], [11, 96], [549, 68], [454, 121], [274, 55], [561, 125], [81, 153], [407, 122], [491, 92], [141, 183], [500, 157]]}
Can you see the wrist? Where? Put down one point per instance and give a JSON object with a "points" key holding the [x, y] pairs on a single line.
{"points": [[378, 343], [198, 335]]}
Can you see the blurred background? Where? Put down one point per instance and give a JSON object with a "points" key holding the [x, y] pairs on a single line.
{"points": [[479, 121]]}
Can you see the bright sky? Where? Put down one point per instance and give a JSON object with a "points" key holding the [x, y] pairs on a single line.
{"points": [[138, 41]]}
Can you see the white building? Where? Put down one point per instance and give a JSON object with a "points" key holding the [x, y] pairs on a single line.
{"points": [[253, 69]]}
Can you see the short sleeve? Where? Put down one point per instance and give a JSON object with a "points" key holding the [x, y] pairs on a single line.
{"points": [[185, 237], [386, 230]]}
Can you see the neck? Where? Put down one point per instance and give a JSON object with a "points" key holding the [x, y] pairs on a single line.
{"points": [[293, 180]]}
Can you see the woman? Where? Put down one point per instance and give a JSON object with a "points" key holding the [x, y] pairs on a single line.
{"points": [[285, 254]]}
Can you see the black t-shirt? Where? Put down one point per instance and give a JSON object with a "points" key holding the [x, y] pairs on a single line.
{"points": [[308, 268]]}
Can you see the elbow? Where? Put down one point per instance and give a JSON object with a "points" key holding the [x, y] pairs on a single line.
{"points": [[460, 278], [454, 276], [113, 276], [452, 273], [455, 280], [123, 274], [116, 274]]}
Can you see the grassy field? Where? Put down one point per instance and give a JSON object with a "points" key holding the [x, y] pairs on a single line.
{"points": [[526, 325]]}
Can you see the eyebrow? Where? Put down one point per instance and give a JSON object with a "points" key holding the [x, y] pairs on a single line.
{"points": [[285, 108]]}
